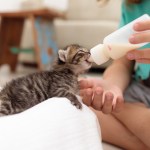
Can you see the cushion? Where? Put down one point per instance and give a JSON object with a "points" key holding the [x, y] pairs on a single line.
{"points": [[53, 124]]}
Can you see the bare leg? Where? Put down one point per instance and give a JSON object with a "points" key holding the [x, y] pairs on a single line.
{"points": [[115, 133], [137, 119]]}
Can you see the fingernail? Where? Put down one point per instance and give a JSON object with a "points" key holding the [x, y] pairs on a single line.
{"points": [[132, 39], [98, 92], [89, 93], [130, 56], [136, 26], [109, 97]]}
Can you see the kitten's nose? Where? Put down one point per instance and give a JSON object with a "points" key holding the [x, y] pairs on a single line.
{"points": [[89, 58], [88, 55]]}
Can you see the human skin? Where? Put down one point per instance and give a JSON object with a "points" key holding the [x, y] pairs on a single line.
{"points": [[120, 72], [128, 119], [108, 92], [142, 56], [115, 132], [106, 97]]}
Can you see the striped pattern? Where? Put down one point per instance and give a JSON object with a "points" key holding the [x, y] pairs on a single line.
{"points": [[62, 81]]}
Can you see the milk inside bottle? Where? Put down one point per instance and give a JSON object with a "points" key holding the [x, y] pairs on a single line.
{"points": [[116, 44]]}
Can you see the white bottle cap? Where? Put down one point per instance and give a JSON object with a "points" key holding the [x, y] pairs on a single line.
{"points": [[98, 55]]}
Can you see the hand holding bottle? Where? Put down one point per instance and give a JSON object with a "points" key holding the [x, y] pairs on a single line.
{"points": [[117, 44], [142, 56]]}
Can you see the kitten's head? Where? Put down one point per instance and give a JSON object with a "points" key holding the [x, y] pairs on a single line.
{"points": [[76, 57]]}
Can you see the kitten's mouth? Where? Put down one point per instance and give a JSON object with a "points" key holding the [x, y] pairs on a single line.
{"points": [[88, 62]]}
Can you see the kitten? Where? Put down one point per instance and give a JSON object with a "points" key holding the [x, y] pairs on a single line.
{"points": [[61, 81]]}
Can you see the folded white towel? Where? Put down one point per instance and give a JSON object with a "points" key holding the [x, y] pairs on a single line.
{"points": [[51, 125]]}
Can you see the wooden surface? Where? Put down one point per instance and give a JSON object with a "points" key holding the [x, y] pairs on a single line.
{"points": [[49, 13], [11, 28], [10, 35]]}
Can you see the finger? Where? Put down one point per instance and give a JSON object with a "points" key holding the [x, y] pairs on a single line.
{"points": [[107, 106], [87, 97], [141, 26], [97, 100], [82, 92], [119, 105], [140, 37], [85, 84], [139, 54], [143, 61]]}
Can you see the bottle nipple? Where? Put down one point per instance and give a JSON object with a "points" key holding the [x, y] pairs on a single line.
{"points": [[90, 59], [98, 54]]}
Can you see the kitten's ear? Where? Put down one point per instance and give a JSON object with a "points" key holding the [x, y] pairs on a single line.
{"points": [[62, 55]]}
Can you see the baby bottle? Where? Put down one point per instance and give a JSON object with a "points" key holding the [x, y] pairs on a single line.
{"points": [[116, 44]]}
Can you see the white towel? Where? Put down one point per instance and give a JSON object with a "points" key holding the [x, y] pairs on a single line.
{"points": [[51, 125]]}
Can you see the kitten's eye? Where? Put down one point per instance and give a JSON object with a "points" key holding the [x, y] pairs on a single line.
{"points": [[87, 55], [81, 55]]}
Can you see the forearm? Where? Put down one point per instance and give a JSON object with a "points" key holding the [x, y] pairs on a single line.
{"points": [[119, 73]]}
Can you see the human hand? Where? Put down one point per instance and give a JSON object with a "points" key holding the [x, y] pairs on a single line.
{"points": [[142, 56], [100, 95]]}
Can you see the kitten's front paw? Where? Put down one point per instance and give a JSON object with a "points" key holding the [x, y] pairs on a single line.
{"points": [[74, 100], [77, 104]]}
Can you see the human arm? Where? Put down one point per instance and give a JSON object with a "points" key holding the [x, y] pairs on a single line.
{"points": [[108, 92], [142, 56], [119, 73]]}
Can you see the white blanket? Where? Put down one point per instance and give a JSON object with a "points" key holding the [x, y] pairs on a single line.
{"points": [[51, 125]]}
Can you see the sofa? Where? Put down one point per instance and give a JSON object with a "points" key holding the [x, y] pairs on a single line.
{"points": [[87, 22]]}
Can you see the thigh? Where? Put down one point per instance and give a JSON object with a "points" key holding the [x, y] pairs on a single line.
{"points": [[136, 118], [116, 133]]}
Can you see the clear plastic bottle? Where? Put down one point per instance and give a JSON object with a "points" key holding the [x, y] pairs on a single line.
{"points": [[116, 44]]}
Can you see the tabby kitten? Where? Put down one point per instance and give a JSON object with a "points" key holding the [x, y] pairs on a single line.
{"points": [[61, 81]]}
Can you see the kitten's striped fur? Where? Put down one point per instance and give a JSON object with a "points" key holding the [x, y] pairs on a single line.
{"points": [[25, 92]]}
